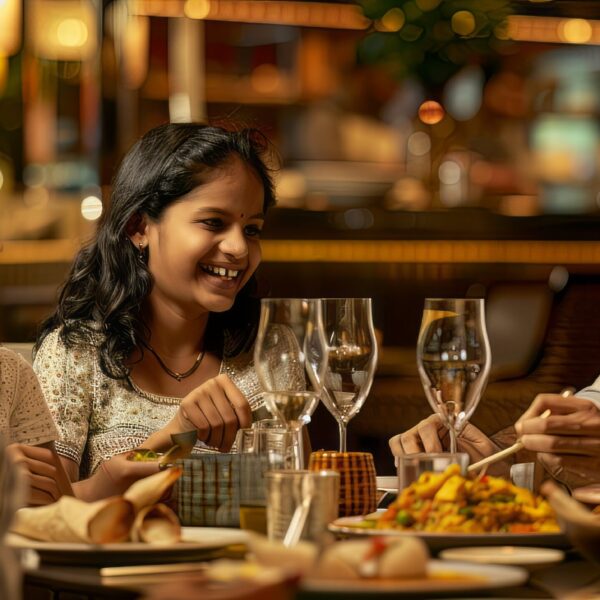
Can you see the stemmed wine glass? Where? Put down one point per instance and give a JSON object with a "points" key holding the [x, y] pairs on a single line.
{"points": [[454, 358], [351, 360], [290, 356]]}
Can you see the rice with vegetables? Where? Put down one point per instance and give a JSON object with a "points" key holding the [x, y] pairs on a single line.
{"points": [[450, 503]]}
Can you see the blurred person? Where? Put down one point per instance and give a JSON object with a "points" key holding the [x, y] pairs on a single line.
{"points": [[566, 444], [155, 324], [27, 428]]}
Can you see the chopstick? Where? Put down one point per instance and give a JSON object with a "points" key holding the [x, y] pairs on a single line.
{"points": [[488, 460], [128, 570]]}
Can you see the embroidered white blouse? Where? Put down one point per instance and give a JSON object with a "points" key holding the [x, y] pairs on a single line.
{"points": [[98, 417], [24, 415]]}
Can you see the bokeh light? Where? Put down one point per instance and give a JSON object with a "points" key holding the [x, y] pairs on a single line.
{"points": [[393, 20], [431, 112], [265, 78], [575, 31], [91, 208], [419, 143], [463, 94], [196, 9], [449, 172], [463, 22], [72, 33]]}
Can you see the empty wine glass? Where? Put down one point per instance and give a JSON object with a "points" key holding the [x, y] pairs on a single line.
{"points": [[351, 359], [290, 360], [454, 358]]}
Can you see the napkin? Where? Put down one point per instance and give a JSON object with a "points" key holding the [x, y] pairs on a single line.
{"points": [[116, 519]]}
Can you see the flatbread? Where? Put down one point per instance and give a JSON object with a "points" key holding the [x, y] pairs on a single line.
{"points": [[156, 524], [73, 520], [148, 491]]}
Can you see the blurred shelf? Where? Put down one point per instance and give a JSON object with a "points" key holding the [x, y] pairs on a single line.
{"points": [[432, 251], [362, 251]]}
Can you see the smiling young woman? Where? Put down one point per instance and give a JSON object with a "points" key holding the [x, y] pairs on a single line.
{"points": [[154, 327]]}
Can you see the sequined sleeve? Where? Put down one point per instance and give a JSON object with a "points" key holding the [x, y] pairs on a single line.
{"points": [[29, 420], [66, 377]]}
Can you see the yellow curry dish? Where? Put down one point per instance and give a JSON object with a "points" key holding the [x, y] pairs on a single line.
{"points": [[450, 503]]}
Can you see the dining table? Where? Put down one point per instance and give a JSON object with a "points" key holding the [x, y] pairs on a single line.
{"points": [[574, 579]]}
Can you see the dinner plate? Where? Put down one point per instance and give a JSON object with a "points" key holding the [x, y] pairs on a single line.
{"points": [[387, 483], [504, 555], [197, 543], [439, 541], [442, 577]]}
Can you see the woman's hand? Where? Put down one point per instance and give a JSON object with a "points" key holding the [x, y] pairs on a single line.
{"points": [[113, 477], [39, 469], [216, 410], [567, 443], [429, 435]]}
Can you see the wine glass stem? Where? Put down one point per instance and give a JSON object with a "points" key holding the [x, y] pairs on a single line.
{"points": [[298, 446], [342, 428], [452, 439]]}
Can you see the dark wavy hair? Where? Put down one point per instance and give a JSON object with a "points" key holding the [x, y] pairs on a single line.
{"points": [[108, 283]]}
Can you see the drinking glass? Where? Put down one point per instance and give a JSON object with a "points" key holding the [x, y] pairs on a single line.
{"points": [[454, 358], [290, 358], [351, 358], [261, 450]]}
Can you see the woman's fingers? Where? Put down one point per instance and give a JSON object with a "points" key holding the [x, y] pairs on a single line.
{"points": [[429, 434], [39, 468], [40, 484], [562, 444], [556, 403], [217, 409], [238, 401], [582, 422], [425, 436]]}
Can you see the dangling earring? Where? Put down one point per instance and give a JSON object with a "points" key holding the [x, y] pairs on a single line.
{"points": [[141, 253]]}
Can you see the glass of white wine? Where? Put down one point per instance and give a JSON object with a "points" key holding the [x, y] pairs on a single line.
{"points": [[351, 358], [454, 359], [290, 358]]}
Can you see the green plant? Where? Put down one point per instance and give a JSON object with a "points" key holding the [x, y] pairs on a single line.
{"points": [[432, 39]]}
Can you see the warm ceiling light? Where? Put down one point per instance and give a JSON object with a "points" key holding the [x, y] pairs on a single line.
{"points": [[431, 112], [196, 9], [10, 27], [62, 29], [575, 31], [72, 33]]}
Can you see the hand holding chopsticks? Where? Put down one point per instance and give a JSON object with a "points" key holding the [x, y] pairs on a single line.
{"points": [[516, 447]]}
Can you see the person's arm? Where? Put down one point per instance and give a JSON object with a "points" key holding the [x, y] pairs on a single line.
{"points": [[32, 433], [66, 379]]}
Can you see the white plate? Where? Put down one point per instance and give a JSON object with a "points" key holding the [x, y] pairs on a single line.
{"points": [[387, 484], [504, 555], [439, 541], [197, 541], [462, 577]]}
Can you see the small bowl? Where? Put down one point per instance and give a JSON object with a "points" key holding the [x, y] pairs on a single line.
{"points": [[581, 526]]}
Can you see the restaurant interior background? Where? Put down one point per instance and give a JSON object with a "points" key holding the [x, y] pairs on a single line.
{"points": [[427, 148]]}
